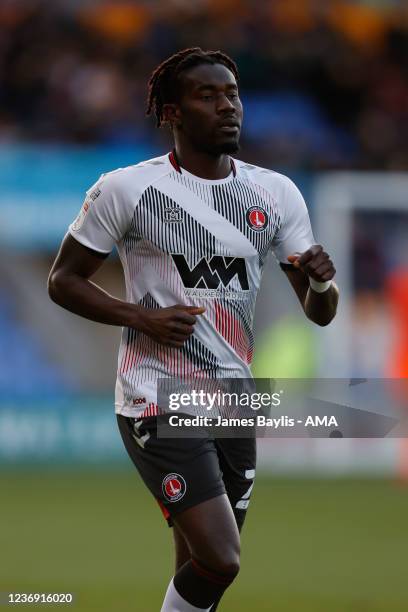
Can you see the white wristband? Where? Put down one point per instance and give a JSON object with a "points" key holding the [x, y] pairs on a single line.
{"points": [[319, 287]]}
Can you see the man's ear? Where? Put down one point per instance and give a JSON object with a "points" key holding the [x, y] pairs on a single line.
{"points": [[172, 114]]}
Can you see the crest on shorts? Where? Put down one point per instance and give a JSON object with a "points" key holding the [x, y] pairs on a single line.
{"points": [[257, 218], [174, 487]]}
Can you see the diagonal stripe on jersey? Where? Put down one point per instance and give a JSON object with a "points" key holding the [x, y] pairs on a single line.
{"points": [[159, 239], [233, 199], [149, 222], [218, 225]]}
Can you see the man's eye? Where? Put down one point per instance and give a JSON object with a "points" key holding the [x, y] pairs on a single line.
{"points": [[233, 96], [206, 98]]}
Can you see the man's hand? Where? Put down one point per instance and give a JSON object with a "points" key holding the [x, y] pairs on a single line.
{"points": [[318, 303], [314, 262], [69, 286], [170, 326]]}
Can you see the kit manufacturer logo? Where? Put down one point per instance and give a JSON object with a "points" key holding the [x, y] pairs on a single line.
{"points": [[173, 214]]}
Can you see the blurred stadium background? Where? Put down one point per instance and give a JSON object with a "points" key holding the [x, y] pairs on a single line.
{"points": [[325, 90]]}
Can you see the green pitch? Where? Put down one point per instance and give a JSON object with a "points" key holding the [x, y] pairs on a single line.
{"points": [[308, 546]]}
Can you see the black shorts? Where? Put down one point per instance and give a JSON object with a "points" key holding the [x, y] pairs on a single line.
{"points": [[183, 472]]}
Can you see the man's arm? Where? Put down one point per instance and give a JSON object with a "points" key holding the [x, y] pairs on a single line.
{"points": [[69, 286], [319, 307]]}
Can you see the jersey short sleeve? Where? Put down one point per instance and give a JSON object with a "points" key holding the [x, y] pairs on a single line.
{"points": [[105, 215], [295, 233]]}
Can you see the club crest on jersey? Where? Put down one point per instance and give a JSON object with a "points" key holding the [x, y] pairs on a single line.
{"points": [[257, 218], [174, 487]]}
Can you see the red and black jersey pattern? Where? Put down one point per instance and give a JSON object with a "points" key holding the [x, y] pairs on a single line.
{"points": [[183, 253], [183, 239], [234, 322], [143, 359]]}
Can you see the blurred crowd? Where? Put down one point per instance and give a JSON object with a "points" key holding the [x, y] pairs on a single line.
{"points": [[324, 82]]}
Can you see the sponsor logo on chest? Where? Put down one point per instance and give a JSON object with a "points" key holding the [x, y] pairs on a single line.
{"points": [[213, 272]]}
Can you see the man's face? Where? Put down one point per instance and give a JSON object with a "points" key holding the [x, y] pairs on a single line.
{"points": [[209, 111]]}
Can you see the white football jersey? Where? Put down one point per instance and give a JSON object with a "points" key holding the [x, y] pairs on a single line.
{"points": [[187, 240]]}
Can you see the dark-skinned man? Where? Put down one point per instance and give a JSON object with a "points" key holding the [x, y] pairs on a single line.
{"points": [[193, 229]]}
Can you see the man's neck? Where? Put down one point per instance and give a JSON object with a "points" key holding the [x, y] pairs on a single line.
{"points": [[203, 165]]}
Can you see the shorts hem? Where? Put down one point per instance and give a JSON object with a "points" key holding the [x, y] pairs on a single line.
{"points": [[215, 492]]}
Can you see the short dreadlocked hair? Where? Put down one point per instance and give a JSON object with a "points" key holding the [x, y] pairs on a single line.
{"points": [[163, 83]]}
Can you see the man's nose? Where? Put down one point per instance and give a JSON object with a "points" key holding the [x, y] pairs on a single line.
{"points": [[224, 104]]}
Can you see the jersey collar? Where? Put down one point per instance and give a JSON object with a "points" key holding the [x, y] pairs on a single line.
{"points": [[174, 162]]}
